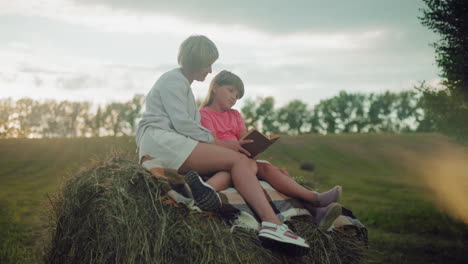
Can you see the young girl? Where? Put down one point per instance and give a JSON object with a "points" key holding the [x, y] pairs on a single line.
{"points": [[170, 134], [227, 124]]}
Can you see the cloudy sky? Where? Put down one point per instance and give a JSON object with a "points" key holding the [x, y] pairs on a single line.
{"points": [[109, 50]]}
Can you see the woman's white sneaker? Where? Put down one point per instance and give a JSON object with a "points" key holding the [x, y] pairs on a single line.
{"points": [[282, 238]]}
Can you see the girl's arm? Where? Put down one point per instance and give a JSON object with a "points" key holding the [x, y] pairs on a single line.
{"points": [[242, 133], [207, 122]]}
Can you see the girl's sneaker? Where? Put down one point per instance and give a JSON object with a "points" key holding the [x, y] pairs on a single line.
{"points": [[325, 216], [206, 198], [281, 238]]}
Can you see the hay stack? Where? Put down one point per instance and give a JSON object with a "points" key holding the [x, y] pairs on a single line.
{"points": [[115, 212]]}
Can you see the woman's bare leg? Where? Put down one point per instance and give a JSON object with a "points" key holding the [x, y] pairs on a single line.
{"points": [[208, 158]]}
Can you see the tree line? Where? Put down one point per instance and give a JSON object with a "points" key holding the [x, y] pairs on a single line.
{"points": [[344, 113], [448, 107], [31, 118]]}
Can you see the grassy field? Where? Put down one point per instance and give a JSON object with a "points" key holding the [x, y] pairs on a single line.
{"points": [[391, 182]]}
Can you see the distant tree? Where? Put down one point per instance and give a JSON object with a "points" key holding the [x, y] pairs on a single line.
{"points": [[114, 118], [407, 111], [444, 112], [94, 122], [76, 113], [249, 112], [58, 124], [315, 121], [294, 115], [448, 107], [349, 111], [267, 116], [329, 115], [134, 108], [382, 113], [6, 111], [46, 116], [27, 118], [357, 113]]}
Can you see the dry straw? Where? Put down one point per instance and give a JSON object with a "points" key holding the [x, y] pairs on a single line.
{"points": [[115, 212]]}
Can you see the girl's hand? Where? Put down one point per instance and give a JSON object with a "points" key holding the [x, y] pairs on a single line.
{"points": [[234, 145]]}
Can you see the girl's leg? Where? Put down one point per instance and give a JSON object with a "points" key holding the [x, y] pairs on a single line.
{"points": [[222, 180], [284, 183], [208, 158], [287, 185]]}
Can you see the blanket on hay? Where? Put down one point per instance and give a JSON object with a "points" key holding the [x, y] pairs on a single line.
{"points": [[238, 213]]}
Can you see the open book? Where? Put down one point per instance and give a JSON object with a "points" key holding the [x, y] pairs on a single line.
{"points": [[261, 142]]}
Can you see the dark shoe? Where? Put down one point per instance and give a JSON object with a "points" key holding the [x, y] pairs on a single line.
{"points": [[206, 198]]}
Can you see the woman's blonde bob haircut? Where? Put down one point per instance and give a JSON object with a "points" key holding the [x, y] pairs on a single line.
{"points": [[223, 78], [196, 53]]}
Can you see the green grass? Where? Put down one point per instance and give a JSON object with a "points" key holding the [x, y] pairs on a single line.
{"points": [[29, 170], [382, 186]]}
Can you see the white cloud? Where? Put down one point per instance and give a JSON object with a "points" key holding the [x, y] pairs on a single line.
{"points": [[105, 18], [121, 51], [25, 72]]}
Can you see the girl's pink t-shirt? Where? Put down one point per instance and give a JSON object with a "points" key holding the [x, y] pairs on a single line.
{"points": [[226, 125]]}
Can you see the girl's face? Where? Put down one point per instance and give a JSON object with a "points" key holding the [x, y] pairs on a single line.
{"points": [[226, 96]]}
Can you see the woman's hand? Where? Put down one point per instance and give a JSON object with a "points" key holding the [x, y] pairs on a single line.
{"points": [[234, 145]]}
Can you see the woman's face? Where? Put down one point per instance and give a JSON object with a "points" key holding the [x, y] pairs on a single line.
{"points": [[226, 96], [201, 74]]}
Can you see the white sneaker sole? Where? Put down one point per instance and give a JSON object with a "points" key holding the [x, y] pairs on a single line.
{"points": [[269, 234], [290, 249]]}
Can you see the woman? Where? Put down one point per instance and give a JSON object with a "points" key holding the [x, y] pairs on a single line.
{"points": [[170, 132]]}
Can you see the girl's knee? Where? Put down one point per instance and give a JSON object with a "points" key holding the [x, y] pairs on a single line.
{"points": [[266, 167], [244, 161], [253, 165]]}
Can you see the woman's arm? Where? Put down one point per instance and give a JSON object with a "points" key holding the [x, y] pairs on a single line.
{"points": [[234, 145], [175, 100]]}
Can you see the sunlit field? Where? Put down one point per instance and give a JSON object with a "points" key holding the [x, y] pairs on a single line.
{"points": [[408, 188]]}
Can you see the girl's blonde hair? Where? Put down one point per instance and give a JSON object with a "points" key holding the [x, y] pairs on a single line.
{"points": [[197, 52], [223, 78]]}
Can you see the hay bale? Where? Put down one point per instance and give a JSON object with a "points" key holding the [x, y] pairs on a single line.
{"points": [[115, 212]]}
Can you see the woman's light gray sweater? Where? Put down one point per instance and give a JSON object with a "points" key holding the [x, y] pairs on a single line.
{"points": [[170, 105]]}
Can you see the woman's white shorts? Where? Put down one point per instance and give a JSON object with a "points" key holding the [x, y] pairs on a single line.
{"points": [[170, 149]]}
